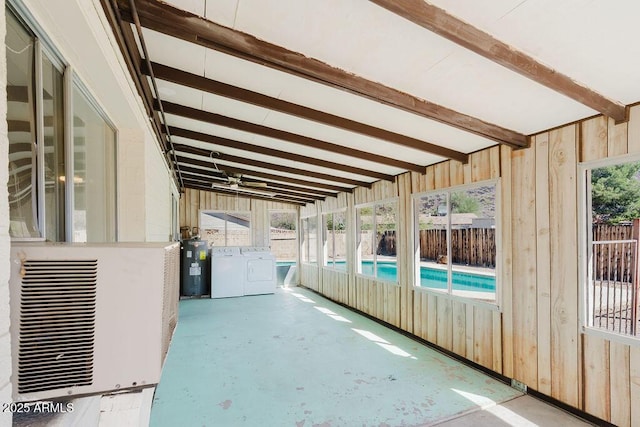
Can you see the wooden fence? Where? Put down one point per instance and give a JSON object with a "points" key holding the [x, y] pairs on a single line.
{"points": [[469, 246]]}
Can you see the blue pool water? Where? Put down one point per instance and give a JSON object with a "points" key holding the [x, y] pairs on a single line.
{"points": [[429, 277], [435, 278]]}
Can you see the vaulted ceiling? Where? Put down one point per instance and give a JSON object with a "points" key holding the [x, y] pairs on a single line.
{"points": [[297, 100]]}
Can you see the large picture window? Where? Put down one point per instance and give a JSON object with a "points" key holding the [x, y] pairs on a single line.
{"points": [[612, 221], [309, 236], [335, 240], [456, 241], [377, 240], [222, 228]]}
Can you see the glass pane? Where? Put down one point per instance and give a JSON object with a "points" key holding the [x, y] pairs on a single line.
{"points": [[239, 229], [21, 131], [366, 241], [386, 254], [433, 216], [613, 303], [473, 242], [94, 174], [54, 172], [340, 240], [329, 238], [212, 227], [283, 235], [313, 240]]}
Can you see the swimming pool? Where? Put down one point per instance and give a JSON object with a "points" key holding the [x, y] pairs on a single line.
{"points": [[435, 278]]}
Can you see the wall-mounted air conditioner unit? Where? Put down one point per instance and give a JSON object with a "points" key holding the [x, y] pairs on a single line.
{"points": [[90, 318]]}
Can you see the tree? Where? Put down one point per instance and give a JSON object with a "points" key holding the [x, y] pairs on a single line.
{"points": [[615, 193], [464, 203]]}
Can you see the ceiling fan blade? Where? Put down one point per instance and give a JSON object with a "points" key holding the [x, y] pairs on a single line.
{"points": [[255, 184]]}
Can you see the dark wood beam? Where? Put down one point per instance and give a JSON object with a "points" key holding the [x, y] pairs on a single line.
{"points": [[219, 176], [245, 161], [178, 23], [200, 186], [220, 120], [229, 169], [215, 180], [224, 142], [448, 26], [222, 89]]}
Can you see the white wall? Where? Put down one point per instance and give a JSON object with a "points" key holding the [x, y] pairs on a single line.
{"points": [[158, 192], [5, 339]]}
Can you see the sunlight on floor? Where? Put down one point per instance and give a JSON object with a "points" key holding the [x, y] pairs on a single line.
{"points": [[384, 343]]}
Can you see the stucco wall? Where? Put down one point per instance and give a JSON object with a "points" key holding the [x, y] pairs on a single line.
{"points": [[5, 339]]}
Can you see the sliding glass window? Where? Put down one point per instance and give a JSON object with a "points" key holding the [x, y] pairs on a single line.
{"points": [[49, 198], [93, 173]]}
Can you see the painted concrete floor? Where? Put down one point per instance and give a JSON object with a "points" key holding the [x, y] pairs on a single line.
{"points": [[296, 359]]}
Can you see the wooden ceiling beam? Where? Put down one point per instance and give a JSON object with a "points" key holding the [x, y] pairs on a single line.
{"points": [[200, 186], [229, 169], [245, 161], [194, 81], [184, 25], [215, 180], [448, 26], [219, 176], [220, 120], [288, 155]]}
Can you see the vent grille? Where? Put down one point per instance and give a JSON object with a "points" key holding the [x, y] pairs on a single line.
{"points": [[170, 296], [57, 324]]}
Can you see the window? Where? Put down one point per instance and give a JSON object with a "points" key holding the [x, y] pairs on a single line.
{"points": [[93, 173], [612, 229], [377, 240], [456, 241], [335, 240], [221, 228], [310, 240], [283, 235], [44, 204]]}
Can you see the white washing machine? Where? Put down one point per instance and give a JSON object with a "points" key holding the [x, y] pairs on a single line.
{"points": [[228, 271], [261, 276]]}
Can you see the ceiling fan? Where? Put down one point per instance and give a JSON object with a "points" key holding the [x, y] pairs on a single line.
{"points": [[237, 183]]}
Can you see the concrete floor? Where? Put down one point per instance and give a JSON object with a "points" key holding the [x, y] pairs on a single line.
{"points": [[296, 359]]}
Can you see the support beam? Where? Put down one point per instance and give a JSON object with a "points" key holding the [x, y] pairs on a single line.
{"points": [[448, 26], [288, 155], [220, 177], [196, 185], [194, 81], [220, 120], [229, 169], [166, 19], [245, 161]]}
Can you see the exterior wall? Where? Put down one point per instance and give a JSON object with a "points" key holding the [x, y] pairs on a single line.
{"points": [[159, 187], [5, 338], [131, 185]]}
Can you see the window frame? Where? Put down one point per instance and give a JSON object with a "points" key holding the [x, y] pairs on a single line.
{"points": [[496, 304], [358, 241], [325, 240], [585, 247], [45, 48], [305, 240]]}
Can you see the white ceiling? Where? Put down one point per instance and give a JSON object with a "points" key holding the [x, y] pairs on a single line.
{"points": [[592, 41]]}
